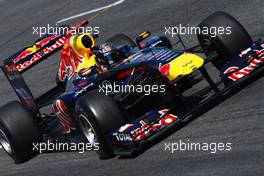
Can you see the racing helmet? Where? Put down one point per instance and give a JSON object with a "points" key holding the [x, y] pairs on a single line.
{"points": [[111, 53]]}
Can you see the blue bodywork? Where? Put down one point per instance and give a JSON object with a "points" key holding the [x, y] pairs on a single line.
{"points": [[153, 57]]}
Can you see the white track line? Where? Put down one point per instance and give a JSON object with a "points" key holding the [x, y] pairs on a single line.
{"points": [[90, 11]]}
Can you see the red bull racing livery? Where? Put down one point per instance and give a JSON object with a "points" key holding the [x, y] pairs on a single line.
{"points": [[124, 93]]}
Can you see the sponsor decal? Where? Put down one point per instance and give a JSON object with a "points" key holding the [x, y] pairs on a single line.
{"points": [[23, 54], [237, 75], [250, 55], [122, 137], [34, 48], [146, 129], [36, 57]]}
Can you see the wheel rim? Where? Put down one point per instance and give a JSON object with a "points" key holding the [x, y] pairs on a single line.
{"points": [[5, 142], [207, 45], [88, 130]]}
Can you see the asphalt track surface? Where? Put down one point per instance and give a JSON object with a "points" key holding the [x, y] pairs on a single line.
{"points": [[239, 120]]}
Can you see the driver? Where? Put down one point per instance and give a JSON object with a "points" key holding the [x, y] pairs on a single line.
{"points": [[81, 57], [102, 58]]}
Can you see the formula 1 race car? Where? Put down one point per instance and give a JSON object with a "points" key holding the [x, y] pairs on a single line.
{"points": [[147, 89]]}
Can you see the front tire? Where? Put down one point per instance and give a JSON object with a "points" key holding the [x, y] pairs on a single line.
{"points": [[98, 115], [226, 45]]}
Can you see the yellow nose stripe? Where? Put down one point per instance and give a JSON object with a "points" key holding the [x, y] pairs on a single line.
{"points": [[185, 64]]}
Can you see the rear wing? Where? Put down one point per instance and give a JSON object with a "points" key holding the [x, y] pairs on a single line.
{"points": [[14, 66], [38, 52]]}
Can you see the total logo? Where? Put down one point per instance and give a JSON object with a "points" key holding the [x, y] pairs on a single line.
{"points": [[122, 137]]}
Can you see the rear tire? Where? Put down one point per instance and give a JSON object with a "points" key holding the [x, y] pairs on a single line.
{"points": [[121, 39], [18, 132], [227, 45], [103, 115]]}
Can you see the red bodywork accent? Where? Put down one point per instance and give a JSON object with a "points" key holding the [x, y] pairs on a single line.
{"points": [[231, 70], [39, 55], [65, 121], [146, 130], [245, 71], [37, 45], [165, 69], [69, 59], [69, 62], [128, 72], [235, 74]]}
